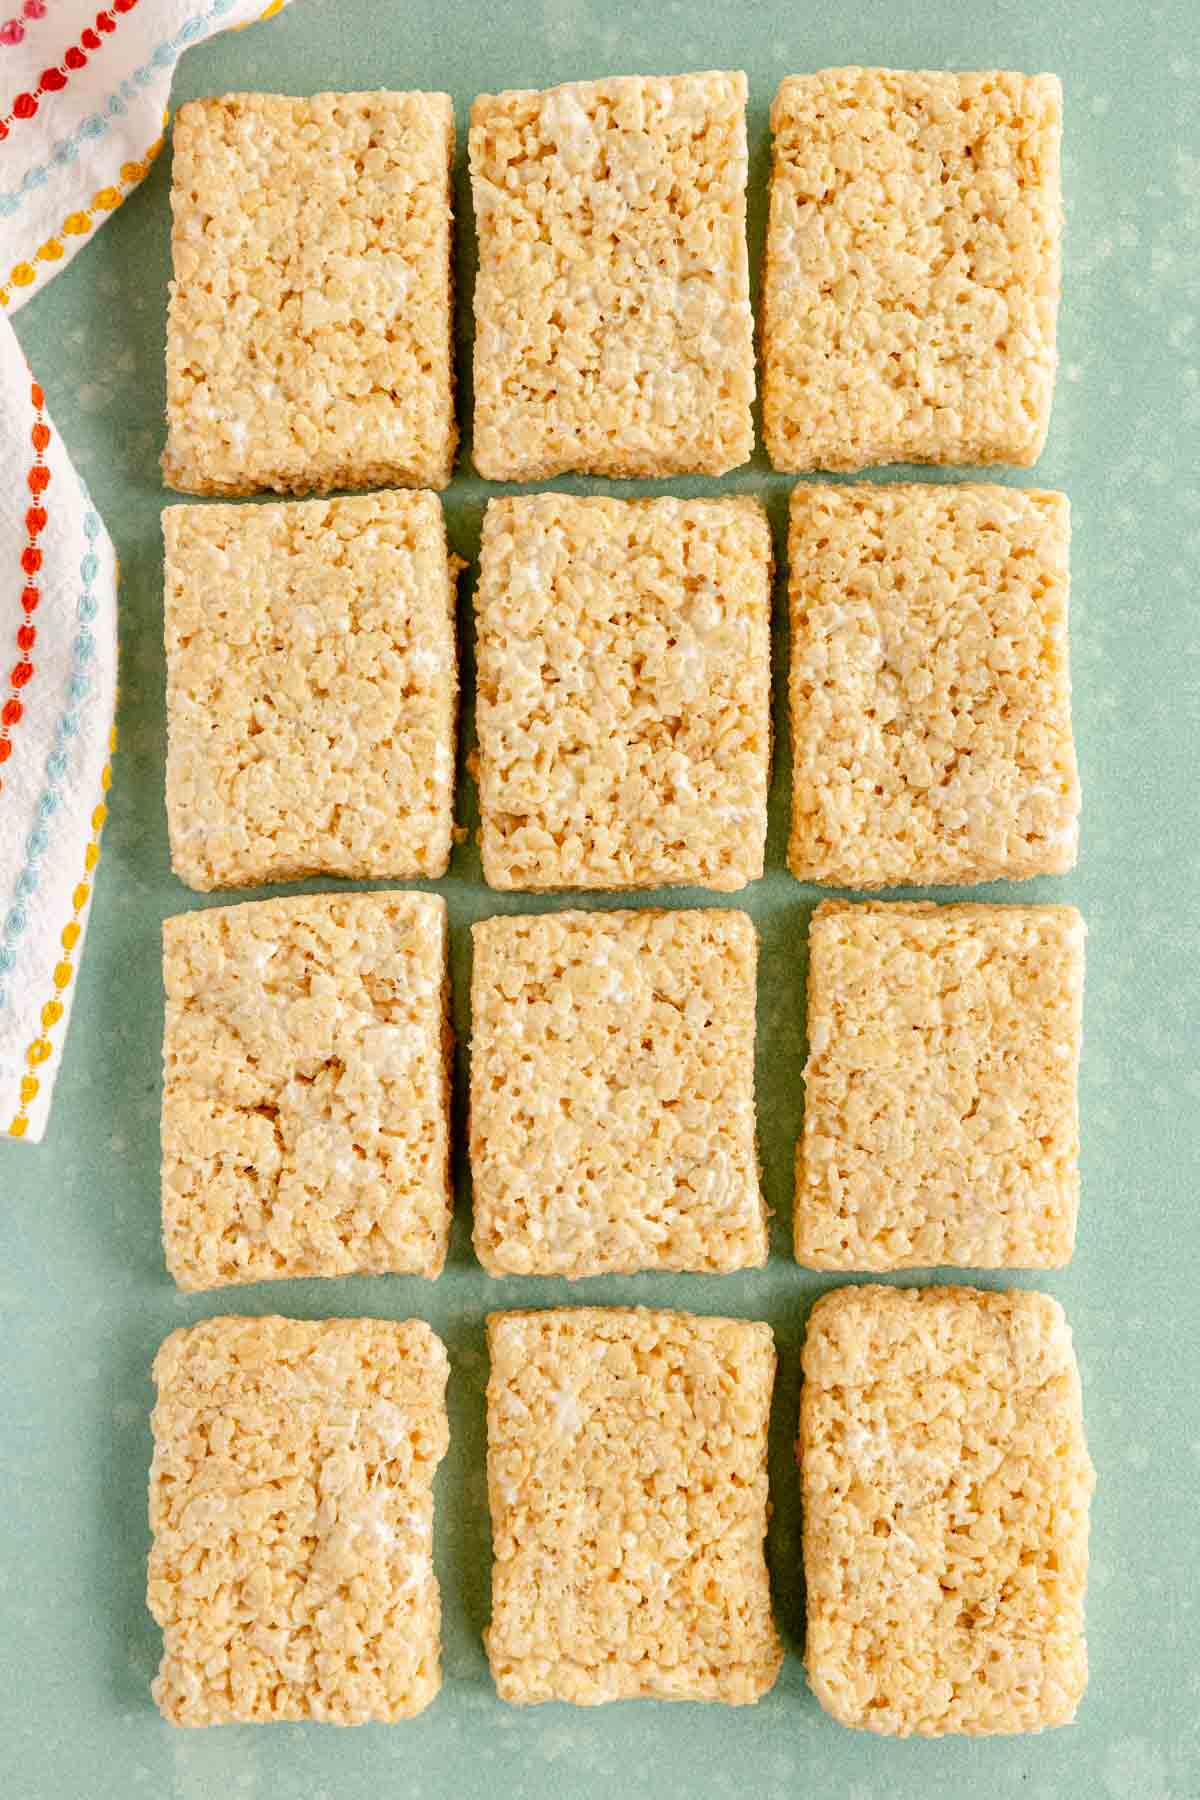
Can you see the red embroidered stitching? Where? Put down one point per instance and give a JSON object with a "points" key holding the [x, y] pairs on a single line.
{"points": [[22, 671], [12, 32], [56, 77]]}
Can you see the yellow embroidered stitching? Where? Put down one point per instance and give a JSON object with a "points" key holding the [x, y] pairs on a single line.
{"points": [[41, 1047], [78, 224]]}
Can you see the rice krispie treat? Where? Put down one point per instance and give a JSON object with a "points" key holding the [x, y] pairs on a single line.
{"points": [[941, 1120], [311, 690], [613, 331], [291, 1502], [623, 706], [612, 1093], [930, 685], [627, 1475], [306, 1097], [910, 295], [946, 1491], [310, 327]]}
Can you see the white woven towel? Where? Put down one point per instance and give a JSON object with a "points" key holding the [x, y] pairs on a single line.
{"points": [[83, 94]]}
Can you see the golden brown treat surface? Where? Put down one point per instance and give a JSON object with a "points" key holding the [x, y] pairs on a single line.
{"points": [[310, 326], [312, 690], [306, 1097], [627, 1473], [930, 685], [613, 331], [612, 1093], [941, 1118], [946, 1491], [291, 1502], [623, 704], [910, 293]]}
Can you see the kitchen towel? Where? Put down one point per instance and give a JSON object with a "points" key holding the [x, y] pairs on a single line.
{"points": [[83, 95]]}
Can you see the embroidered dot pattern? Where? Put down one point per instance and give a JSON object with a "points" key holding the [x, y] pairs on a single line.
{"points": [[41, 1049], [25, 273], [53, 79], [98, 124], [22, 671], [12, 31], [16, 920], [78, 224]]}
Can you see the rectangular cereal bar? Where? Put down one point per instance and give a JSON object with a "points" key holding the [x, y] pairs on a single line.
{"points": [[946, 1490], [312, 690], [627, 1475], [291, 1503], [910, 295], [612, 1093], [613, 331], [930, 685], [623, 703], [306, 1090], [941, 1118], [310, 326]]}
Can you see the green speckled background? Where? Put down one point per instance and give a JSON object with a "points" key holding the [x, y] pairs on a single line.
{"points": [[84, 1296]]}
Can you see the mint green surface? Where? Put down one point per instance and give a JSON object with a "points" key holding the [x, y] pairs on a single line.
{"points": [[84, 1295]]}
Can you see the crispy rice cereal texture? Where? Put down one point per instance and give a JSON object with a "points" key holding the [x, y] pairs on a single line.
{"points": [[291, 1502], [306, 1098], [910, 295], [946, 1491], [612, 1093], [624, 705], [627, 1474], [310, 326], [311, 690], [613, 325], [930, 685], [941, 1121]]}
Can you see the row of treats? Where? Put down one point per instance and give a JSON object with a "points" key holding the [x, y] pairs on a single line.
{"points": [[944, 1474], [909, 288], [306, 1120], [623, 714]]}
